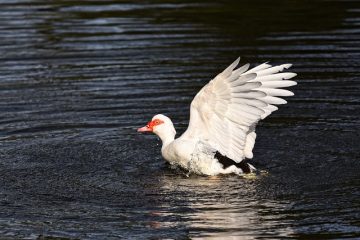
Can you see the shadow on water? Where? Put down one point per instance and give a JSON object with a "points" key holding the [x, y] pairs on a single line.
{"points": [[78, 77]]}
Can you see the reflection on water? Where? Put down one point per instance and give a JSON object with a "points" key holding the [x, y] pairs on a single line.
{"points": [[227, 208], [78, 77]]}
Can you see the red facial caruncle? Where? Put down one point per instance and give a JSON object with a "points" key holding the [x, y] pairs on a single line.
{"points": [[150, 126]]}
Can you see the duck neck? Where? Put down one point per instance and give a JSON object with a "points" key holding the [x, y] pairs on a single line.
{"points": [[167, 138]]}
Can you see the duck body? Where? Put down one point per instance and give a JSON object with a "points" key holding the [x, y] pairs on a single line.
{"points": [[200, 158], [179, 152], [223, 116]]}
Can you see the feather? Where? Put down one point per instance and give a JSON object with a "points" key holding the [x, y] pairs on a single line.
{"points": [[273, 70], [243, 79], [258, 68], [276, 92], [247, 108], [278, 84], [249, 95], [239, 121], [276, 77], [241, 69], [227, 72], [245, 87], [240, 113], [252, 102], [221, 107], [250, 142], [268, 110], [273, 100]]}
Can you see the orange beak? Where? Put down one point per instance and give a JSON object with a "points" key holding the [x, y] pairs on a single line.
{"points": [[148, 128], [145, 129]]}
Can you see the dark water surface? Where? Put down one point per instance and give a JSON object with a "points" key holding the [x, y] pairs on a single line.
{"points": [[78, 77]]}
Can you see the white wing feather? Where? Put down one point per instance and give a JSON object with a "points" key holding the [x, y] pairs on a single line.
{"points": [[226, 110]]}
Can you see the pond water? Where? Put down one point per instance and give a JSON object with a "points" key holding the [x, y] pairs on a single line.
{"points": [[78, 77]]}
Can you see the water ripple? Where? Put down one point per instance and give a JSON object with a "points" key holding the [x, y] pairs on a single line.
{"points": [[78, 78]]}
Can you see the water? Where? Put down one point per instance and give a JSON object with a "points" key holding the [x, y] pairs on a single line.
{"points": [[78, 77]]}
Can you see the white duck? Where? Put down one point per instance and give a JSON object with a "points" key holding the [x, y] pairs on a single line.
{"points": [[223, 117]]}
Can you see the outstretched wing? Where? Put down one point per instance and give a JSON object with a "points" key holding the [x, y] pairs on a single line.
{"points": [[225, 111]]}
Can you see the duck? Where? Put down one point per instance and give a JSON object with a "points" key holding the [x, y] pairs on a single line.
{"points": [[223, 116]]}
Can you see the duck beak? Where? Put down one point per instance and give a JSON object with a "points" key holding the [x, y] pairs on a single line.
{"points": [[145, 129]]}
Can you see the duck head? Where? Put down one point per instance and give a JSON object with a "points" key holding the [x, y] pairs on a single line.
{"points": [[162, 126]]}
